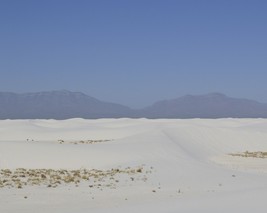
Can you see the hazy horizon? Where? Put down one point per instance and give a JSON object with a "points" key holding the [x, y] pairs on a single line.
{"points": [[135, 52], [142, 107]]}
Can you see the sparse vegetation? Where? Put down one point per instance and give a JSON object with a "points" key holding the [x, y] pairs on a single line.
{"points": [[82, 141], [257, 154], [51, 178]]}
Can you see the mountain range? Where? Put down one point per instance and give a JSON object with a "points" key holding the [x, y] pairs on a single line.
{"points": [[65, 104]]}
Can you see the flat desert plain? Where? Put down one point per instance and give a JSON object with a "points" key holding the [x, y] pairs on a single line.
{"points": [[133, 165]]}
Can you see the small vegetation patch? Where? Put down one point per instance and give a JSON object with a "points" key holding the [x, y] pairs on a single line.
{"points": [[248, 154], [51, 178], [82, 141]]}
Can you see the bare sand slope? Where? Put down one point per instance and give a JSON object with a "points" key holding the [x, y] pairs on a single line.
{"points": [[133, 165]]}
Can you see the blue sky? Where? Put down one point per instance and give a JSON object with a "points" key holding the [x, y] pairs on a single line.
{"points": [[135, 52]]}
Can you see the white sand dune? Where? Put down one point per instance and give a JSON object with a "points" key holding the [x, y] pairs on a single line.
{"points": [[187, 166]]}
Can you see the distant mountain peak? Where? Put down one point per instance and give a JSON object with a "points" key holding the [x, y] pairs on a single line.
{"points": [[58, 104], [212, 105], [209, 95], [215, 95]]}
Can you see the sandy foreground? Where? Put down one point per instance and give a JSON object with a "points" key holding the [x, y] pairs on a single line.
{"points": [[133, 165]]}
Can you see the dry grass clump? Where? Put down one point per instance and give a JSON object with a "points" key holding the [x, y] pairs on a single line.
{"points": [[257, 154], [21, 177], [83, 141]]}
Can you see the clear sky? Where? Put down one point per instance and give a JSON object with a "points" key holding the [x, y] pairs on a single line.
{"points": [[135, 52]]}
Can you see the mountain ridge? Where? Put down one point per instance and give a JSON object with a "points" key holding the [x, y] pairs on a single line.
{"points": [[212, 105], [64, 104], [61, 104]]}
